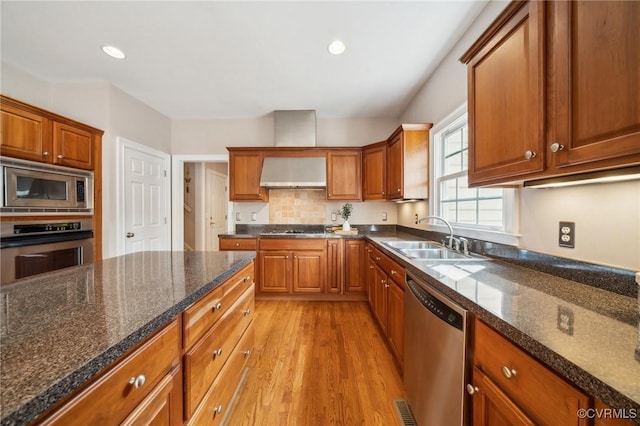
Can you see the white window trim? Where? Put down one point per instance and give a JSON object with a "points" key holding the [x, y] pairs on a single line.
{"points": [[511, 198]]}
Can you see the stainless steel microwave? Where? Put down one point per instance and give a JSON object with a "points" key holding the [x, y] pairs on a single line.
{"points": [[30, 187]]}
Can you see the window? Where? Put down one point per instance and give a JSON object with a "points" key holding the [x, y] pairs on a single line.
{"points": [[479, 208]]}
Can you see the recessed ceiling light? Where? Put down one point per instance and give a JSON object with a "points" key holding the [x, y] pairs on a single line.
{"points": [[114, 52], [336, 47]]}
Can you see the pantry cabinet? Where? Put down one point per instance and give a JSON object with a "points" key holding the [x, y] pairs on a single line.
{"points": [[552, 90], [510, 387], [245, 168], [344, 177], [374, 172], [408, 162]]}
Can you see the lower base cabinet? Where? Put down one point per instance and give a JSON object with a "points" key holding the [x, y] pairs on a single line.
{"points": [[509, 387], [156, 385]]}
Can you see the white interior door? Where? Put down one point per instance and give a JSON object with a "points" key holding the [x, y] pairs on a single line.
{"points": [[146, 199], [216, 208]]}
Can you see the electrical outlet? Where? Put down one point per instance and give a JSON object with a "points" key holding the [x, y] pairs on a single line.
{"points": [[567, 234], [334, 217], [384, 216], [565, 320], [254, 216], [238, 217]]}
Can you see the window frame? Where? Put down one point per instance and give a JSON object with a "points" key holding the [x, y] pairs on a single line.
{"points": [[508, 233]]}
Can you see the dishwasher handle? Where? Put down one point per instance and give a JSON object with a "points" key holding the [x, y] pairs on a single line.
{"points": [[438, 305]]}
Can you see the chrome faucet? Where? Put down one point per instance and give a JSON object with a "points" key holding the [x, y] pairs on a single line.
{"points": [[453, 241]]}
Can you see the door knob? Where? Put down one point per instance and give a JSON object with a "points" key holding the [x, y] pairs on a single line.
{"points": [[130, 235]]}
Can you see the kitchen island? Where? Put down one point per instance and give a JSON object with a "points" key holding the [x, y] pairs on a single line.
{"points": [[61, 330]]}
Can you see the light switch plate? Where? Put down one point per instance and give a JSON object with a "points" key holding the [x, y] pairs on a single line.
{"points": [[384, 216], [254, 216]]}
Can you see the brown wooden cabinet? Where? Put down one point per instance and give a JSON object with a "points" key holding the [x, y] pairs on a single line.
{"points": [[354, 266], [385, 284], [145, 378], [292, 265], [245, 168], [408, 162], [33, 134], [237, 244], [162, 407], [335, 265], [344, 177], [374, 172], [552, 91], [510, 387]]}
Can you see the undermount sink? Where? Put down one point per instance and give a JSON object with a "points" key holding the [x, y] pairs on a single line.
{"points": [[431, 251], [410, 245]]}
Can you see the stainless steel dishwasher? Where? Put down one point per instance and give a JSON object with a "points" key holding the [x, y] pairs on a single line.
{"points": [[435, 355]]}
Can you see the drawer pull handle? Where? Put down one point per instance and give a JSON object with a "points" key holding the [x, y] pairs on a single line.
{"points": [[217, 352], [378, 259], [247, 312], [46, 153], [60, 156], [508, 372], [217, 410], [370, 266], [247, 278], [137, 381], [394, 272], [217, 306], [472, 389], [246, 353]]}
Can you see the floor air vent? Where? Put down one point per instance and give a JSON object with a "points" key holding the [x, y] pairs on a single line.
{"points": [[404, 412]]}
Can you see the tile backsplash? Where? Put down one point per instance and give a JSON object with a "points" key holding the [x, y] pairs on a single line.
{"points": [[297, 206]]}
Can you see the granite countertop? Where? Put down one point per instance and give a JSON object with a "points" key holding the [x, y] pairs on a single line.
{"points": [[598, 346], [61, 329]]}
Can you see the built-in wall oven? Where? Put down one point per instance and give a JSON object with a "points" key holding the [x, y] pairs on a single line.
{"points": [[30, 187], [33, 247]]}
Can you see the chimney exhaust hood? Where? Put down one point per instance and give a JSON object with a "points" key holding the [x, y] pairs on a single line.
{"points": [[295, 128]]}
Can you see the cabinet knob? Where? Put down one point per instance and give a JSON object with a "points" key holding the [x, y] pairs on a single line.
{"points": [[394, 272], [472, 389], [246, 353], [555, 147], [45, 154], [217, 352], [398, 189], [247, 278], [137, 381], [382, 192], [370, 266], [508, 372], [217, 410], [60, 156], [217, 306], [237, 244], [247, 312], [377, 259], [529, 155]]}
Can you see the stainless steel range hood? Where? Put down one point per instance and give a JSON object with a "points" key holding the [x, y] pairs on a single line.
{"points": [[294, 129]]}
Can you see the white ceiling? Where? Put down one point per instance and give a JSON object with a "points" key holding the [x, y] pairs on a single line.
{"points": [[211, 59]]}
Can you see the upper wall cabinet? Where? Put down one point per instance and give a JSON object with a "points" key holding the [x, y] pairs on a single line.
{"points": [[553, 90], [408, 162], [344, 181], [374, 172], [33, 134], [245, 168]]}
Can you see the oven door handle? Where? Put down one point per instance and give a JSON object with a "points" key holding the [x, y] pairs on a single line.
{"points": [[32, 240]]}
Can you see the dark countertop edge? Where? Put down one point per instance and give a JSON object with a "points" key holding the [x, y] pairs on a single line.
{"points": [[33, 408], [293, 236], [577, 376]]}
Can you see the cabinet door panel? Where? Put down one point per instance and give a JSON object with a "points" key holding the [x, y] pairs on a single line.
{"points": [[162, 407], [506, 110], [335, 265], [395, 168], [491, 407], [380, 297], [309, 269], [354, 266], [344, 181], [72, 147], [596, 63], [374, 171], [25, 135], [274, 272], [244, 177], [395, 325]]}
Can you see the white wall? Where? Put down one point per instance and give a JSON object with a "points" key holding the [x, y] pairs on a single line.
{"points": [[101, 105], [607, 216]]}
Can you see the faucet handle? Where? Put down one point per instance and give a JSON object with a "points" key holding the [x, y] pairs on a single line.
{"points": [[465, 245]]}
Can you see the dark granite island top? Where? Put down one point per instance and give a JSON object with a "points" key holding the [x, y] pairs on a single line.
{"points": [[59, 330]]}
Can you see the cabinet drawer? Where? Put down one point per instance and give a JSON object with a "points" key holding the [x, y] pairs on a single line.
{"points": [[200, 316], [292, 244], [544, 396], [217, 401], [114, 396], [238, 244], [393, 269], [203, 363]]}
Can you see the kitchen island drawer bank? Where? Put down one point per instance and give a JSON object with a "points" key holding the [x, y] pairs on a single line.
{"points": [[103, 343]]}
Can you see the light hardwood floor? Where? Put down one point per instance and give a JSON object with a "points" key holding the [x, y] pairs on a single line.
{"points": [[317, 363]]}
